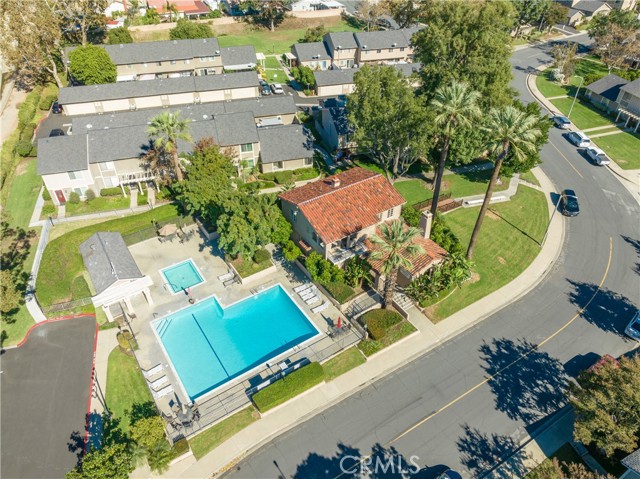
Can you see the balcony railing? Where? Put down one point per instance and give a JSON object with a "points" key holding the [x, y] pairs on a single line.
{"points": [[135, 177], [339, 255]]}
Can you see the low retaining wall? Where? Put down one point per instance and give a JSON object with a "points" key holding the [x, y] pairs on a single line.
{"points": [[265, 273]]}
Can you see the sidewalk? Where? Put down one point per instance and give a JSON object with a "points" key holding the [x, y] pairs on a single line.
{"points": [[428, 336], [91, 216], [630, 179]]}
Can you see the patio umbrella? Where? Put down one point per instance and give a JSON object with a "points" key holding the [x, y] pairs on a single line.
{"points": [[167, 230]]}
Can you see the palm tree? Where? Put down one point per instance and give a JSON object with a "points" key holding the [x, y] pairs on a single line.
{"points": [[394, 245], [456, 105], [509, 131], [166, 129]]}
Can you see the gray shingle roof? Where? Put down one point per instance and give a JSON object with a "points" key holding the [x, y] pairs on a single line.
{"points": [[344, 40], [108, 260], [632, 461], [589, 6], [259, 107], [407, 69], [632, 87], [162, 86], [381, 40], [340, 120], [306, 52], [60, 154], [608, 86], [239, 57], [236, 129], [132, 53], [334, 77], [282, 143]]}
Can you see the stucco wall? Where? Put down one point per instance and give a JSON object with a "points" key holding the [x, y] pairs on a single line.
{"points": [[288, 165], [335, 90]]}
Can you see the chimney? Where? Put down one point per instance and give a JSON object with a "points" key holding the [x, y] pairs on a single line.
{"points": [[426, 219], [335, 182]]}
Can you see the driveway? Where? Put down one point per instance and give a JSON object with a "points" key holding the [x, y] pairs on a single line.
{"points": [[45, 392]]}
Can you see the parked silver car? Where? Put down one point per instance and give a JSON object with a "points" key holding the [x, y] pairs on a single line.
{"points": [[633, 329], [597, 155], [579, 139]]}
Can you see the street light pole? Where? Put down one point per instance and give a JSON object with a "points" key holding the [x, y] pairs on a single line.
{"points": [[575, 96]]}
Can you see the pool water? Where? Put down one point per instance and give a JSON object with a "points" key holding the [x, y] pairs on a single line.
{"points": [[182, 276], [209, 345]]}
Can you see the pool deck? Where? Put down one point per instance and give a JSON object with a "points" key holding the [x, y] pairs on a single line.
{"points": [[152, 256]]}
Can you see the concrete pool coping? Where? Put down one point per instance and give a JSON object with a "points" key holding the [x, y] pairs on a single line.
{"points": [[168, 283], [247, 374]]}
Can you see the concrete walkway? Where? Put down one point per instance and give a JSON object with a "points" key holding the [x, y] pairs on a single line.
{"points": [[630, 179], [92, 216], [496, 196], [9, 118], [428, 336], [598, 128], [608, 133]]}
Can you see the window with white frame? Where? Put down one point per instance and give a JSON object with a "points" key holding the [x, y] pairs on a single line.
{"points": [[247, 147], [308, 162], [390, 213], [106, 166], [75, 175]]}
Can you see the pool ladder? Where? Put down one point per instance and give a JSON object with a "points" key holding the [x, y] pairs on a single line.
{"points": [[164, 326]]}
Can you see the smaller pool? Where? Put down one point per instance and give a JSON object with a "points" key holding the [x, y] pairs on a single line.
{"points": [[181, 276]]}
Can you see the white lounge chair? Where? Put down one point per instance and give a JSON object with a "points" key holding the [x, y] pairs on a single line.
{"points": [[153, 371], [307, 294], [162, 392], [300, 289], [322, 307], [159, 382], [313, 300], [226, 276]]}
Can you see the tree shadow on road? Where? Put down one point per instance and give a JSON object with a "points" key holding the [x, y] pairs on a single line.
{"points": [[608, 310], [636, 245], [482, 453], [528, 384]]}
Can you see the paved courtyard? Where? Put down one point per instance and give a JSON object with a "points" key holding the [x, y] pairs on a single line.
{"points": [[152, 256], [45, 392]]}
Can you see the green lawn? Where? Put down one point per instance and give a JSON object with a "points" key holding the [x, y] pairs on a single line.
{"points": [[460, 185], [584, 68], [505, 248], [343, 362], [394, 333], [288, 387], [125, 386], [530, 177], [583, 115], [101, 203], [214, 436], [62, 263], [274, 71], [623, 148], [279, 41], [23, 193], [565, 454]]}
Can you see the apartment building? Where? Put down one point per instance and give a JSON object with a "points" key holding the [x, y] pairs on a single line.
{"points": [[341, 81], [164, 92]]}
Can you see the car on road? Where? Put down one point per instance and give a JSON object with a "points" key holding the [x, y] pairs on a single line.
{"points": [[56, 132], [264, 88], [450, 474], [597, 156], [579, 139], [277, 89], [56, 107], [633, 329], [562, 122], [569, 203]]}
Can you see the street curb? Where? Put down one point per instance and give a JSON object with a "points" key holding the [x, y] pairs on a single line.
{"points": [[47, 321]]}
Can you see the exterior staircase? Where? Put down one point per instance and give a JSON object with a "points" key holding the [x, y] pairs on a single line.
{"points": [[402, 300]]}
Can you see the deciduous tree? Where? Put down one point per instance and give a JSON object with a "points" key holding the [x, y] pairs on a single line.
{"points": [[83, 20], [510, 131], [314, 34], [186, 29], [616, 37], [92, 65], [390, 122], [565, 60], [404, 12], [555, 14], [468, 42], [112, 461], [369, 11], [119, 35], [265, 13], [607, 405], [529, 12]]}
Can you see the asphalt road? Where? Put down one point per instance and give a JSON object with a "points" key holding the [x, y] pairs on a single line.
{"points": [[480, 422], [45, 392]]}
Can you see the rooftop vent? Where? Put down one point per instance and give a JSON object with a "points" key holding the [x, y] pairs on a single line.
{"points": [[394, 45], [338, 47], [175, 42], [364, 47], [334, 182], [217, 52], [89, 126]]}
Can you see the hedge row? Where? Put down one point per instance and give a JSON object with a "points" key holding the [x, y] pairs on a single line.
{"points": [[287, 176], [379, 321], [115, 191], [340, 291], [288, 387]]}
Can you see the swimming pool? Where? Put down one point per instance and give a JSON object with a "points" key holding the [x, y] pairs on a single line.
{"points": [[209, 345], [182, 275]]}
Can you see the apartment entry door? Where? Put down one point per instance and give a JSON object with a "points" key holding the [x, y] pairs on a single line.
{"points": [[60, 196]]}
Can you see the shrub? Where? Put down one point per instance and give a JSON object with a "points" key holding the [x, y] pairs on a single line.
{"points": [[92, 65], [23, 148], [341, 292], [261, 256], [180, 447], [74, 198], [148, 432], [442, 234], [379, 321], [307, 173], [26, 113], [411, 215], [292, 385], [322, 270], [115, 191], [186, 29], [34, 151], [291, 251], [48, 210], [283, 177], [268, 176], [27, 132], [119, 35], [125, 340], [46, 195], [90, 194], [46, 102]]}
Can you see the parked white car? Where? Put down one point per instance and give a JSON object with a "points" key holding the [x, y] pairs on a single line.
{"points": [[579, 139], [597, 155], [277, 88], [633, 329]]}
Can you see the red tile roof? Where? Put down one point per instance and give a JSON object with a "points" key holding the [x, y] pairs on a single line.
{"points": [[338, 211], [432, 253]]}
